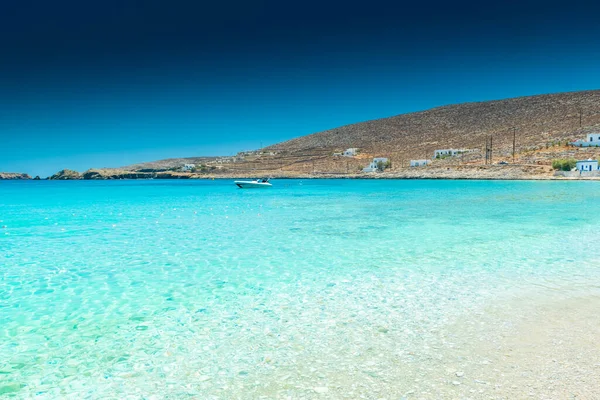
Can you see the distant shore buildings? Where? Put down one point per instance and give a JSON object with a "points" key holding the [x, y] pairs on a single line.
{"points": [[588, 165], [188, 167], [592, 140], [375, 164], [443, 153], [419, 163], [351, 152]]}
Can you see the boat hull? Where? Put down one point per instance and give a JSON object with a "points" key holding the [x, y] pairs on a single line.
{"points": [[252, 185]]}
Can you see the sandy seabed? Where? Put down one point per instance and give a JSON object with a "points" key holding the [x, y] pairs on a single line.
{"points": [[532, 347]]}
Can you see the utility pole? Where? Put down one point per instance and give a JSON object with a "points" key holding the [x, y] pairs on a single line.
{"points": [[491, 149], [514, 142], [485, 151], [488, 150]]}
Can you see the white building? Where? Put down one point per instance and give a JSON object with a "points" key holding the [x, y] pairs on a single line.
{"points": [[351, 152], [374, 164], [587, 165], [450, 152], [419, 163], [593, 140], [188, 167]]}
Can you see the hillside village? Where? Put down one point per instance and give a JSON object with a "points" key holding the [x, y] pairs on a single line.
{"points": [[535, 137]]}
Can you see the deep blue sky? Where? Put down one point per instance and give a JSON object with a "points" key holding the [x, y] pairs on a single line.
{"points": [[110, 83]]}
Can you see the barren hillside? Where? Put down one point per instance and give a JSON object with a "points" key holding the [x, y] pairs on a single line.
{"points": [[543, 125], [538, 120]]}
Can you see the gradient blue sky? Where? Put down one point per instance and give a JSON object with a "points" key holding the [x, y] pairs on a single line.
{"points": [[112, 83]]}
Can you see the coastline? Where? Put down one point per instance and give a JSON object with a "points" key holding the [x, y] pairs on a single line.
{"points": [[10, 176], [357, 177], [438, 172], [501, 173], [312, 177]]}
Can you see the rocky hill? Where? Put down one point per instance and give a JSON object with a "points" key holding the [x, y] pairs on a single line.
{"points": [[66, 174], [541, 126], [536, 120], [13, 176]]}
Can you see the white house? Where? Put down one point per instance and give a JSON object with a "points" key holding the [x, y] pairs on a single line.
{"points": [[351, 152], [188, 167], [419, 163], [587, 165], [445, 153], [450, 152], [593, 140], [373, 165]]}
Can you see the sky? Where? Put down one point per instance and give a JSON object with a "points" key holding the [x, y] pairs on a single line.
{"points": [[115, 82]]}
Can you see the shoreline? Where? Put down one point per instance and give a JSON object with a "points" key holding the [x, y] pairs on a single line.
{"points": [[536, 344], [448, 172], [323, 177]]}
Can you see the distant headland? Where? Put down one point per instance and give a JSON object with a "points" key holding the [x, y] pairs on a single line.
{"points": [[13, 176]]}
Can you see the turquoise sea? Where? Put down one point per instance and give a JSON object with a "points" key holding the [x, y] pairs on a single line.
{"points": [[311, 289]]}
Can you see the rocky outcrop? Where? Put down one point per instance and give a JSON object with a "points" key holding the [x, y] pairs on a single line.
{"points": [[13, 176], [116, 173], [66, 174], [109, 174], [172, 175]]}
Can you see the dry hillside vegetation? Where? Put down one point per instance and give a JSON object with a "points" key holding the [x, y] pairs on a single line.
{"points": [[543, 124], [539, 121]]}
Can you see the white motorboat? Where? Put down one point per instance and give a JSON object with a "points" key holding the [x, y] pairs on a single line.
{"points": [[255, 184]]}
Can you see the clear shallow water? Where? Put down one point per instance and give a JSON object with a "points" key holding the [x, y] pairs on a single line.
{"points": [[324, 288]]}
